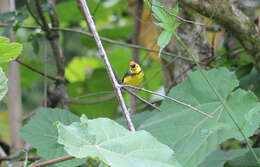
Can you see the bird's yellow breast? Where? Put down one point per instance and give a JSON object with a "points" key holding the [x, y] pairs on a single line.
{"points": [[134, 80]]}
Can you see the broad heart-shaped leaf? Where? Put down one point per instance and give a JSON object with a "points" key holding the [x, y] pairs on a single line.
{"points": [[3, 84], [114, 145], [193, 136], [41, 133], [9, 51]]}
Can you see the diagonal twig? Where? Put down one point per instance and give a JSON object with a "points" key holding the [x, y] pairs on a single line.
{"points": [[86, 13], [142, 99], [170, 98], [38, 72], [53, 161]]}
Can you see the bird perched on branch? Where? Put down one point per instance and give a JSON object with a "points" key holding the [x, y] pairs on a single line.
{"points": [[134, 75]]}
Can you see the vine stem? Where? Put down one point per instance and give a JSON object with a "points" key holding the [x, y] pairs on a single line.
{"points": [[86, 13], [228, 109], [53, 161]]}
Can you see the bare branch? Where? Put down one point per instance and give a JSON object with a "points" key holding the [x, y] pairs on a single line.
{"points": [[90, 101], [38, 72], [170, 98], [84, 8], [53, 161]]}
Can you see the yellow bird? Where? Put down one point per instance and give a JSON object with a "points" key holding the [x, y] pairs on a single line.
{"points": [[134, 75]]}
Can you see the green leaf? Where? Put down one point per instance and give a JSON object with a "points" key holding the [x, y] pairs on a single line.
{"points": [[111, 143], [3, 84], [246, 160], [9, 51], [192, 135], [40, 132], [164, 39], [218, 158]]}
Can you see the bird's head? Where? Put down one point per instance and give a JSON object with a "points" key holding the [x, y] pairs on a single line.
{"points": [[134, 67]]}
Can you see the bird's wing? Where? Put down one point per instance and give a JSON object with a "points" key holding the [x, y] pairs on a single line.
{"points": [[128, 73]]}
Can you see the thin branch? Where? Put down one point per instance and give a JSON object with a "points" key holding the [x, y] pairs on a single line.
{"points": [[170, 98], [53, 161], [90, 101], [86, 13], [142, 99], [94, 94], [37, 71], [44, 24], [32, 13], [120, 43], [105, 39]]}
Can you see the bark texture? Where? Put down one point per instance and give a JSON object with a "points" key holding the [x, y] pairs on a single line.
{"points": [[233, 20]]}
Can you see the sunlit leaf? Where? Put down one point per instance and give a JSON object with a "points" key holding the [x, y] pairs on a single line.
{"points": [[81, 68], [9, 51]]}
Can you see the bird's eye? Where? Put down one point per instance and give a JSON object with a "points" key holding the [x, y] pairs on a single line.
{"points": [[132, 65]]}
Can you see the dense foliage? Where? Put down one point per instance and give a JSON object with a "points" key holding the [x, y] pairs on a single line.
{"points": [[92, 129]]}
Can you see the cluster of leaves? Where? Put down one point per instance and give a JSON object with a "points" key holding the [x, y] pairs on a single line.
{"points": [[166, 22], [194, 138]]}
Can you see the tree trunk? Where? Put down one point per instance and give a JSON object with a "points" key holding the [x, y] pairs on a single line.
{"points": [[14, 90]]}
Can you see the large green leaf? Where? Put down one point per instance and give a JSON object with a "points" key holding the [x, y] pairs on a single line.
{"points": [[9, 51], [3, 84], [218, 158], [194, 136], [111, 143], [41, 133]]}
